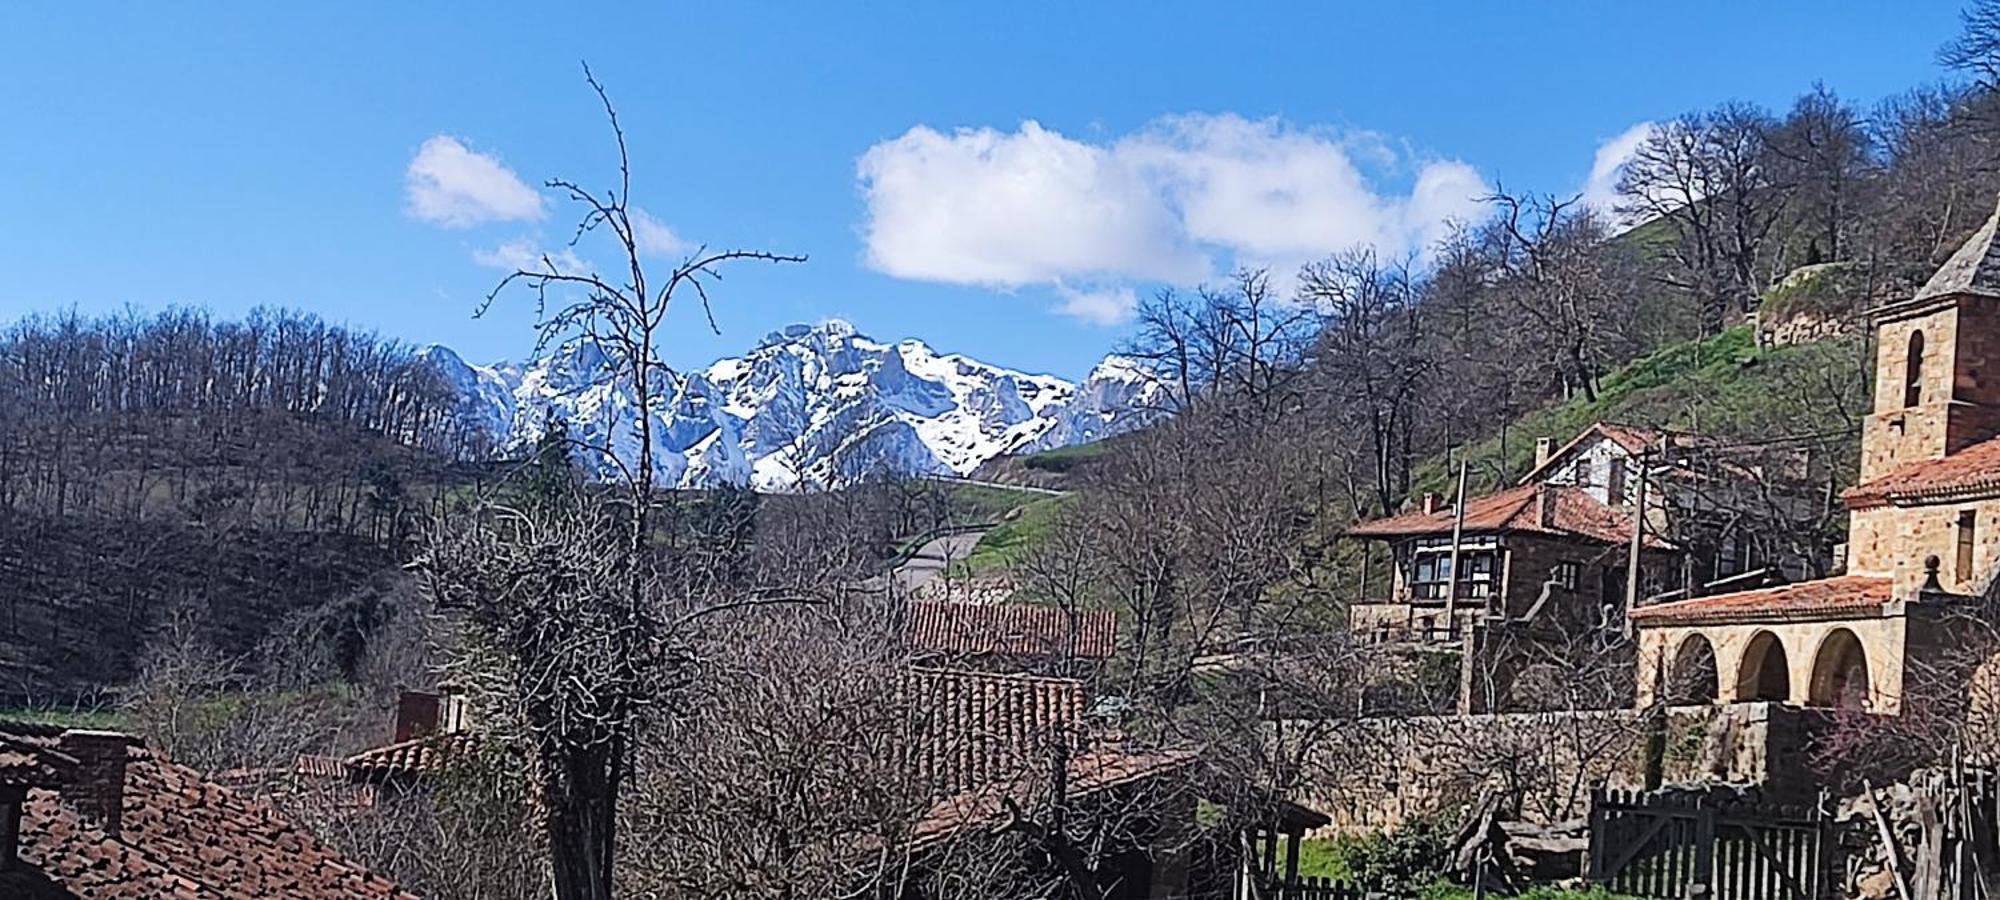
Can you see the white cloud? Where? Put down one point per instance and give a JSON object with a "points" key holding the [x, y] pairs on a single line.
{"points": [[1176, 202], [522, 255], [979, 206], [451, 185], [654, 237], [1600, 190], [1103, 306]]}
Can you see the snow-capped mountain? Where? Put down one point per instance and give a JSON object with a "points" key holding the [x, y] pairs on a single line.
{"points": [[824, 404]]}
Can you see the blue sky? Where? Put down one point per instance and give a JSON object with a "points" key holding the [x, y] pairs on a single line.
{"points": [[999, 179]]}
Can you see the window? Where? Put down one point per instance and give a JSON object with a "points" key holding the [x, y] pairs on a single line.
{"points": [[1583, 473], [1431, 571], [1615, 483], [1913, 371], [1967, 539], [1729, 557], [1565, 575]]}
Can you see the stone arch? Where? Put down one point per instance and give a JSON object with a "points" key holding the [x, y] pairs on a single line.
{"points": [[1913, 370], [1692, 678], [1764, 672], [1839, 672]]}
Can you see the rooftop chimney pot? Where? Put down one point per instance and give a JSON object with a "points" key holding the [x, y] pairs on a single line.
{"points": [[1545, 505], [1430, 503], [1544, 447]]}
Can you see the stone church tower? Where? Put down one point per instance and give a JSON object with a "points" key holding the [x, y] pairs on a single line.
{"points": [[1937, 392]]}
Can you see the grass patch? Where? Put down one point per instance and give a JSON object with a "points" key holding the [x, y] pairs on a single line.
{"points": [[103, 719], [1063, 459], [1012, 539], [987, 503], [1724, 386], [1325, 858]]}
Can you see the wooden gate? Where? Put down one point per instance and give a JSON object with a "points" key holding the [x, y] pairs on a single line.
{"points": [[1674, 846]]}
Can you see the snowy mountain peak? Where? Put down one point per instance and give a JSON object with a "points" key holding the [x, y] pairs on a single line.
{"points": [[810, 403]]}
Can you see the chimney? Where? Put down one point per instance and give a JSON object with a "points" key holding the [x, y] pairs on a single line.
{"points": [[416, 715], [1430, 503], [96, 789], [1545, 505], [1543, 447]]}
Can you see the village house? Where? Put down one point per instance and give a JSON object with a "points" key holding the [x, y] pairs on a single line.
{"points": [[1555, 545], [1924, 526], [97, 814]]}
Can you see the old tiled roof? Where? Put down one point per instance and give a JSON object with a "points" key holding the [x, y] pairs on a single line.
{"points": [[25, 763], [974, 728], [1974, 269], [1012, 629], [179, 836], [1517, 509], [427, 754], [1973, 471], [1634, 438], [1838, 597], [1088, 774]]}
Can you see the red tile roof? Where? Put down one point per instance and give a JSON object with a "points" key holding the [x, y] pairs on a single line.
{"points": [[1838, 597], [973, 728], [1517, 509], [430, 753], [1012, 629], [1973, 471], [1090, 773], [179, 836]]}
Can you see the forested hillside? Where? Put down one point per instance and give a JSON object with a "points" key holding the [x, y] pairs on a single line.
{"points": [[237, 474]]}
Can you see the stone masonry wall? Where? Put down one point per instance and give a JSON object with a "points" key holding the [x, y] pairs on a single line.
{"points": [[1375, 774]]}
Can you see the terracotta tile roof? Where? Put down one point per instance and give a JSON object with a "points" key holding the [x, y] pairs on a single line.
{"points": [[178, 836], [430, 753], [973, 728], [1517, 509], [1634, 438], [1089, 774], [1012, 629], [1842, 596], [1973, 471]]}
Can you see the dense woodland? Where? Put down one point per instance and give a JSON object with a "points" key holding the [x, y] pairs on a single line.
{"points": [[275, 518]]}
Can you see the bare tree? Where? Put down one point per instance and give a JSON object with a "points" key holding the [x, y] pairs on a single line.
{"points": [[1370, 358], [1708, 175], [568, 594]]}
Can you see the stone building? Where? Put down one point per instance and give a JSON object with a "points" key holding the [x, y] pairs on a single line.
{"points": [[1924, 525]]}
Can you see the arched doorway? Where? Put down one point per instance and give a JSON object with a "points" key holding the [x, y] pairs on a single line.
{"points": [[1765, 673], [1691, 677], [1840, 672]]}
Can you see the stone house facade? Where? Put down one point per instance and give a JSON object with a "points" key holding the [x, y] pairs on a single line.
{"points": [[1924, 526]]}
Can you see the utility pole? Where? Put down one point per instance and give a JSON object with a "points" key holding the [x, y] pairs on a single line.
{"points": [[1638, 535], [1451, 564]]}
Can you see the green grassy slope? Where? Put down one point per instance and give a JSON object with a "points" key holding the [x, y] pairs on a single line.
{"points": [[1012, 539], [1723, 386]]}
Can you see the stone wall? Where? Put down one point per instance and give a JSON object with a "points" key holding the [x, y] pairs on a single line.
{"points": [[1375, 774]]}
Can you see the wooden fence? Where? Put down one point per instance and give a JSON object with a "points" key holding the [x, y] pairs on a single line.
{"points": [[1307, 887], [1675, 846]]}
